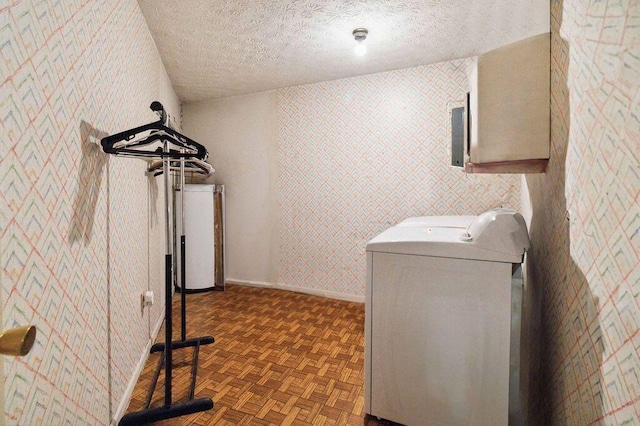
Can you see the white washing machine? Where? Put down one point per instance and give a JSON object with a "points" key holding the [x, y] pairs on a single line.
{"points": [[443, 320]]}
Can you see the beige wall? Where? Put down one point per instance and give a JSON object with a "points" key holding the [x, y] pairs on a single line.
{"points": [[585, 222], [358, 155], [239, 133], [80, 238]]}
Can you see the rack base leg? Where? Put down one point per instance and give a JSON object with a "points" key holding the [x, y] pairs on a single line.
{"points": [[179, 344], [151, 415]]}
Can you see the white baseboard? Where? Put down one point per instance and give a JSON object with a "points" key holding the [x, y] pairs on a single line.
{"points": [[249, 283], [126, 397], [312, 291]]}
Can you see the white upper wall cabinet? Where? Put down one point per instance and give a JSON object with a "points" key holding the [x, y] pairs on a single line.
{"points": [[509, 119]]}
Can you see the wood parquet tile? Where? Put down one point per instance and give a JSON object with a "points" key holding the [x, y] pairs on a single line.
{"points": [[280, 358]]}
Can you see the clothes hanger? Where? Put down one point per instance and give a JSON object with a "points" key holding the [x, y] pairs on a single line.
{"points": [[159, 142], [191, 165], [153, 140]]}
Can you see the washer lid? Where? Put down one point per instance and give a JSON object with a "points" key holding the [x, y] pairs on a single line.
{"points": [[497, 235], [439, 221]]}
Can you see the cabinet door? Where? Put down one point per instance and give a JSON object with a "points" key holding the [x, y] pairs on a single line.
{"points": [[510, 103]]}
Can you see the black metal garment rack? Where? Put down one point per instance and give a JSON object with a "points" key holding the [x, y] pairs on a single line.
{"points": [[158, 140]]}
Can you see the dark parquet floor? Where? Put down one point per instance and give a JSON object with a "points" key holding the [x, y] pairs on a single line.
{"points": [[279, 358]]}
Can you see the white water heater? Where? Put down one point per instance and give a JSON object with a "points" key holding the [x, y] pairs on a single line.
{"points": [[204, 237]]}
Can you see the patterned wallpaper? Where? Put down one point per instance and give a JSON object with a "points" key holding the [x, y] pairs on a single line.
{"points": [[75, 245], [358, 155], [586, 220]]}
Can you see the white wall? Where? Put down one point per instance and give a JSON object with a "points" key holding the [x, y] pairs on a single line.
{"points": [[240, 134]]}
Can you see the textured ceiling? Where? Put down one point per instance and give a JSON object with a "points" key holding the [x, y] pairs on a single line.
{"points": [[220, 48]]}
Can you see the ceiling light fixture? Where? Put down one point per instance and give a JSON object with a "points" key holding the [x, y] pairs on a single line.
{"points": [[360, 34]]}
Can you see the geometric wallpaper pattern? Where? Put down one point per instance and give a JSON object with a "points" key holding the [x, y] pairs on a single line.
{"points": [[360, 154], [80, 238], [75, 244], [586, 219]]}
